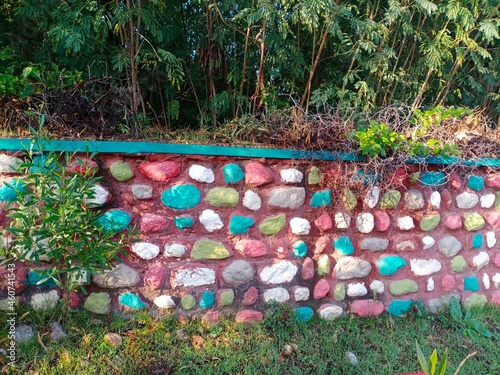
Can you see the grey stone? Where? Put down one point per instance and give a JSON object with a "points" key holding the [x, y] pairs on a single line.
{"points": [[374, 244], [351, 268], [8, 163], [56, 332], [121, 276], [142, 191], [23, 333], [414, 200], [467, 200], [238, 272], [287, 197], [449, 246]]}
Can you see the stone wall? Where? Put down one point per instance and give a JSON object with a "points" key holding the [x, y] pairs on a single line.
{"points": [[221, 235]]}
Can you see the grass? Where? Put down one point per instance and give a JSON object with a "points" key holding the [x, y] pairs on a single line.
{"points": [[384, 345]]}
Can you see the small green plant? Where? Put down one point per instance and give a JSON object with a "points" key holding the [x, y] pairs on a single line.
{"points": [[431, 366], [377, 139], [280, 320], [473, 328]]}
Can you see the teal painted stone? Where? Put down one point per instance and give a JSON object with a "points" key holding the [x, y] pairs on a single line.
{"points": [[40, 164], [471, 284], [321, 199], [34, 278], [181, 197], [121, 171], [233, 173], [344, 245], [304, 314], [475, 183], [299, 249], [477, 241], [366, 177], [183, 222], [399, 307], [433, 179], [131, 300], [207, 300], [8, 190], [114, 220], [240, 224], [390, 264]]}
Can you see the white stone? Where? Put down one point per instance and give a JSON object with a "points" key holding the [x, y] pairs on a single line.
{"points": [[301, 293], [142, 191], [486, 281], [164, 302], [467, 200], [405, 223], [330, 312], [351, 267], [342, 220], [276, 294], [481, 260], [195, 276], [491, 239], [100, 196], [175, 250], [496, 280], [291, 175], [80, 278], [356, 289], [210, 220], [430, 284], [436, 199], [300, 226], [201, 174], [422, 267], [287, 197], [377, 287], [44, 301], [146, 250], [9, 164], [251, 200], [487, 200], [281, 272], [428, 242], [372, 197], [365, 222]]}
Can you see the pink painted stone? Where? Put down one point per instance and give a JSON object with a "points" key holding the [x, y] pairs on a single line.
{"points": [[211, 318], [446, 199], [453, 222], [257, 174], [367, 307], [20, 275], [493, 218], [455, 182], [307, 271], [324, 222], [400, 176], [251, 248], [323, 244], [250, 296], [382, 221], [459, 282], [496, 260], [248, 316], [161, 171], [495, 298], [492, 181], [336, 173], [321, 289], [155, 276], [448, 283], [151, 223], [74, 301], [81, 166]]}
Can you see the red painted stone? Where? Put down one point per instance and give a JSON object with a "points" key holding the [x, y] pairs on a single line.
{"points": [[211, 318], [20, 274], [81, 166], [250, 296], [307, 271], [446, 199], [248, 316], [367, 307], [323, 244], [455, 182], [496, 260], [453, 222], [324, 222], [321, 289], [448, 283], [257, 174], [74, 301], [251, 248], [155, 276], [151, 223], [495, 298], [399, 177], [493, 218], [382, 221], [492, 181], [336, 173], [162, 171]]}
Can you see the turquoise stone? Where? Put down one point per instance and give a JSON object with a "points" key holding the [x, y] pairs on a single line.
{"points": [[321, 199], [344, 245], [240, 224], [390, 264], [433, 179], [366, 177], [399, 307], [477, 241], [39, 164], [207, 300], [304, 314], [181, 197], [34, 278], [8, 190], [233, 173], [475, 183], [299, 249], [114, 220], [471, 284], [183, 222], [131, 300]]}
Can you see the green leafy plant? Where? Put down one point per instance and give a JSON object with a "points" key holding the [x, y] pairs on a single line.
{"points": [[280, 320], [473, 328], [377, 139], [431, 366]]}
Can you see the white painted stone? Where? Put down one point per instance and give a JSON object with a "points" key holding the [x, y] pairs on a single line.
{"points": [[300, 226], [481, 260], [194, 276], [436, 199], [281, 272], [449, 246], [496, 280], [8, 163], [276, 294], [486, 281], [330, 312], [287, 197], [405, 223], [210, 220], [146, 250], [423, 267], [490, 239], [487, 200], [80, 278], [100, 196], [175, 250], [428, 242], [201, 174], [356, 289], [142, 191], [430, 284], [44, 301], [351, 267], [291, 175], [365, 222], [342, 220], [164, 302], [374, 244], [301, 293], [251, 200], [121, 276], [467, 200], [377, 287], [404, 245], [372, 197]]}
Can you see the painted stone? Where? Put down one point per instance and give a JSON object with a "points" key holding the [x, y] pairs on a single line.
{"points": [[492, 217], [232, 173], [183, 222], [114, 220], [145, 250], [377, 287], [480, 260], [225, 297], [291, 175], [272, 225], [164, 302], [390, 264], [492, 181], [349, 199], [131, 301], [405, 223], [208, 249], [222, 197], [458, 264], [9, 189], [251, 200], [449, 246], [321, 289], [251, 248], [429, 222], [342, 220], [188, 302], [35, 278], [121, 171], [287, 197], [192, 275], [390, 199], [344, 245], [329, 311], [278, 273], [257, 174], [248, 316], [471, 284], [98, 303], [455, 182], [382, 221], [446, 199], [181, 197], [314, 176], [201, 174], [299, 249], [365, 222], [490, 239], [44, 301], [9, 164], [351, 268], [210, 220], [428, 242], [477, 241], [321, 199], [303, 314], [356, 290], [486, 281], [308, 271], [475, 300], [423, 267], [473, 221], [300, 293], [300, 226], [250, 296], [324, 264], [414, 200], [448, 283], [372, 197], [240, 224], [467, 200], [279, 295], [453, 222], [475, 183], [155, 276], [175, 250], [324, 222], [160, 171], [374, 244], [399, 307], [407, 245], [435, 199], [433, 179], [122, 276], [367, 308], [100, 196], [207, 299], [238, 272], [497, 200], [487, 201], [140, 191], [339, 292], [400, 287]]}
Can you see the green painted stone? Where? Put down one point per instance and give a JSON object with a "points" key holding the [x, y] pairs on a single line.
{"points": [[324, 263], [314, 176], [477, 241], [433, 179], [471, 284], [321, 199], [475, 183], [183, 222], [114, 220], [121, 171], [400, 307], [349, 199], [475, 300], [339, 292], [188, 302], [299, 249], [131, 301], [458, 264], [9, 190], [497, 200], [473, 221], [226, 297], [207, 299], [429, 222], [232, 173], [181, 197], [98, 303], [390, 264], [344, 245], [223, 197], [240, 224], [35, 278], [304, 314], [208, 249], [390, 199], [400, 287], [272, 225]]}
